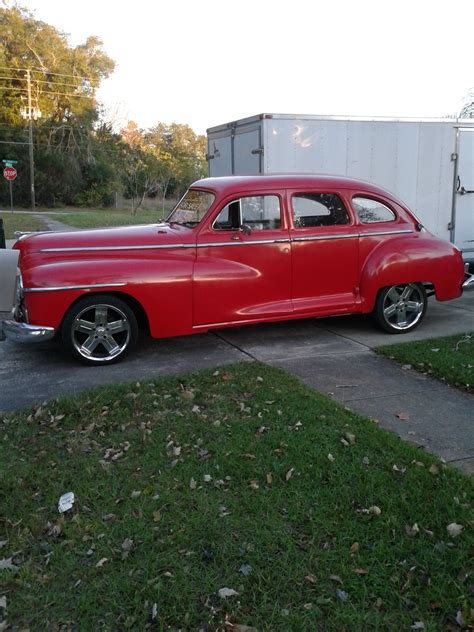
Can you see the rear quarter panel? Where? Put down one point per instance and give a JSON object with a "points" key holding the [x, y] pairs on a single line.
{"points": [[417, 257]]}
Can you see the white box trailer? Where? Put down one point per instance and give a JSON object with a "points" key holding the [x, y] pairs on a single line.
{"points": [[427, 163]]}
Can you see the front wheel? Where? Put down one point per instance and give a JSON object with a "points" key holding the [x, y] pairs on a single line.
{"points": [[400, 308], [99, 329]]}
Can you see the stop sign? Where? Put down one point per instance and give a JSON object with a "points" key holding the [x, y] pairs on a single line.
{"points": [[9, 173]]}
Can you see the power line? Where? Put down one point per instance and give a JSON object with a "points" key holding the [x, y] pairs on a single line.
{"points": [[62, 94], [45, 72]]}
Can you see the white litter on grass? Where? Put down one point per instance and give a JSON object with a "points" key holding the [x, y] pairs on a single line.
{"points": [[66, 502]]}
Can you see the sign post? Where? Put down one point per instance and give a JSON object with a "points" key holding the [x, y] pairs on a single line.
{"points": [[10, 174]]}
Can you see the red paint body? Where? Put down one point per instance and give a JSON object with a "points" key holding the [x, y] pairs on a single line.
{"points": [[192, 279]]}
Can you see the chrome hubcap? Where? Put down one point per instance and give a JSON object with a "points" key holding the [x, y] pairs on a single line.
{"points": [[403, 306], [100, 332]]}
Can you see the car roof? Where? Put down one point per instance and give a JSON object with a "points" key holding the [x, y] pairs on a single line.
{"points": [[235, 184]]}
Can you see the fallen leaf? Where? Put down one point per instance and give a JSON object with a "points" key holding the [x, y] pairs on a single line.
{"points": [[331, 458], [226, 592], [127, 544], [361, 571], [460, 619], [311, 579], [254, 484], [454, 529], [355, 546], [7, 565], [335, 578], [308, 606], [350, 437], [434, 469], [365, 460], [412, 531], [245, 569], [402, 416], [375, 510], [342, 595], [192, 484], [207, 478], [101, 562], [187, 395], [418, 625], [269, 478], [135, 494], [345, 443], [196, 409], [154, 611], [399, 470], [157, 516], [289, 474]]}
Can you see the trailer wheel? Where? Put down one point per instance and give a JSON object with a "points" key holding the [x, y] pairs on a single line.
{"points": [[400, 308], [99, 329]]}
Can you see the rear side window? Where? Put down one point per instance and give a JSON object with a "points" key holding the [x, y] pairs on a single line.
{"points": [[318, 209], [371, 211]]}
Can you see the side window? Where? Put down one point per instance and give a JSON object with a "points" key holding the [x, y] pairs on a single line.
{"points": [[261, 212], [370, 211], [318, 209]]}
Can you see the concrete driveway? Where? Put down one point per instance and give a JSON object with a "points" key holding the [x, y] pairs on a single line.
{"points": [[332, 355]]}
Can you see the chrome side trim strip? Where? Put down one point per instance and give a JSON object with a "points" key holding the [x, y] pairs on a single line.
{"points": [[240, 243], [225, 243], [386, 232], [71, 287], [321, 237], [113, 248]]}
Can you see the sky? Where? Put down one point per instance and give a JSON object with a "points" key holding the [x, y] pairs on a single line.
{"points": [[207, 62]]}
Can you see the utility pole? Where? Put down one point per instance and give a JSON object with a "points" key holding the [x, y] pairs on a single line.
{"points": [[30, 141]]}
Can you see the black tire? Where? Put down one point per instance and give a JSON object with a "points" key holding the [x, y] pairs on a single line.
{"points": [[400, 308], [99, 329]]}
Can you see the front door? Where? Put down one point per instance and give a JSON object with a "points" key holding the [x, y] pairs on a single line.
{"points": [[464, 222], [243, 263]]}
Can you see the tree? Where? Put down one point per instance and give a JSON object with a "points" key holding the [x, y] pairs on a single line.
{"points": [[62, 80]]}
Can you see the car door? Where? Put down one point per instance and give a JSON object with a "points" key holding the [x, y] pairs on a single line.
{"points": [[243, 262], [325, 245]]}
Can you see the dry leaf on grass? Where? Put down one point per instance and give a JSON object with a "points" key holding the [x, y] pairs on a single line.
{"points": [[454, 529], [226, 592], [289, 474]]}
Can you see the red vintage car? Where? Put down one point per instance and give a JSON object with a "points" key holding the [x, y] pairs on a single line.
{"points": [[235, 250]]}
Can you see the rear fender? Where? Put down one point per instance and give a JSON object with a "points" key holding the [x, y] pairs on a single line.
{"points": [[414, 259]]}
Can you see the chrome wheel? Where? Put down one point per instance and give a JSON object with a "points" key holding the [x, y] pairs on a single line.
{"points": [[403, 306], [100, 332]]}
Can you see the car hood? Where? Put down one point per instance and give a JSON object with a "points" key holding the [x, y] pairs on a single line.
{"points": [[106, 239]]}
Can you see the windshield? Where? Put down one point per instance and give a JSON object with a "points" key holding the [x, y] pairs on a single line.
{"points": [[191, 208]]}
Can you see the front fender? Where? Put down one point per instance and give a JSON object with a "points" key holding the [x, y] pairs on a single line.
{"points": [[412, 259], [163, 287]]}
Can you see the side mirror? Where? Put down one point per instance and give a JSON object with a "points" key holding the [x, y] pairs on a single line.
{"points": [[246, 229]]}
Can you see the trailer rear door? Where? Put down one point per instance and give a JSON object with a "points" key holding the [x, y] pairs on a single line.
{"points": [[464, 223]]}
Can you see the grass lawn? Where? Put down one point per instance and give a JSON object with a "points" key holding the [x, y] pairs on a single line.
{"points": [[450, 359], [309, 516], [23, 222]]}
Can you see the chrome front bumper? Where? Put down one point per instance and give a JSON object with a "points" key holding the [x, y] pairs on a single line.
{"points": [[22, 332]]}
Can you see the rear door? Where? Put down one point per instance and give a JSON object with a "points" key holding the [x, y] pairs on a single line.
{"points": [[325, 246], [464, 221]]}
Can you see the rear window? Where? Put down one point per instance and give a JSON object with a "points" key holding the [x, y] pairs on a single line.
{"points": [[318, 209], [371, 211]]}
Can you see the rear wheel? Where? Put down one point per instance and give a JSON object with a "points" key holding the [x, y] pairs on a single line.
{"points": [[100, 329], [400, 308]]}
